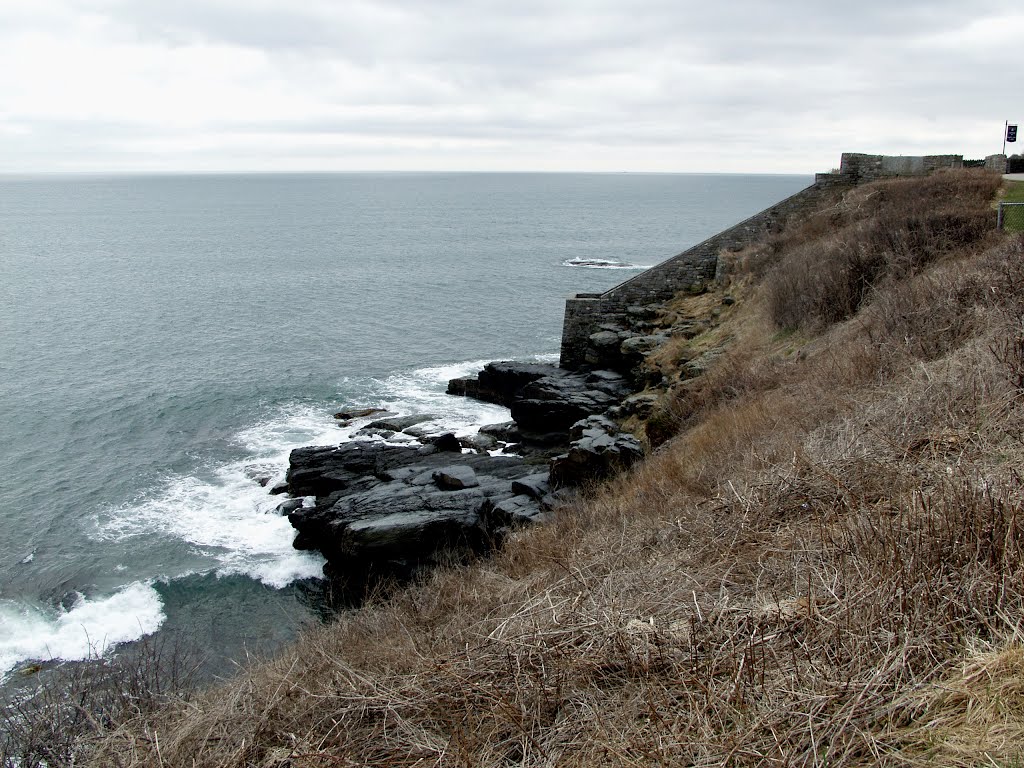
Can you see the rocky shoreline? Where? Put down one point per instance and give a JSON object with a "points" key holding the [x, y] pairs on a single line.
{"points": [[375, 509]]}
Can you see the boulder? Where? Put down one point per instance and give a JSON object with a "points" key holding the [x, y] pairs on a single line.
{"points": [[506, 432], [499, 382], [640, 404], [289, 505], [536, 486], [455, 478], [357, 413], [643, 311], [515, 513], [555, 404], [447, 442], [598, 450], [480, 443], [603, 340], [398, 423], [641, 345]]}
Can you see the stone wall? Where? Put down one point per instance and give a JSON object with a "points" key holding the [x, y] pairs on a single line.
{"points": [[996, 163], [691, 270], [860, 168]]}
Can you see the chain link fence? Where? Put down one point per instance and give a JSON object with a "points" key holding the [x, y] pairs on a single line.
{"points": [[1011, 217]]}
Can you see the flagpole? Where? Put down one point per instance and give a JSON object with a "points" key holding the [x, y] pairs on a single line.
{"points": [[1006, 124]]}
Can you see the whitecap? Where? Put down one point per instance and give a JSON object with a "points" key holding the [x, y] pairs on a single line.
{"points": [[229, 519], [424, 391], [90, 628]]}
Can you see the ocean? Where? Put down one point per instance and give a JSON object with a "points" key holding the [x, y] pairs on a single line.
{"points": [[165, 341]]}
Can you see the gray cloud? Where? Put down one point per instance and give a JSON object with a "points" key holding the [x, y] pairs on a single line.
{"points": [[588, 84]]}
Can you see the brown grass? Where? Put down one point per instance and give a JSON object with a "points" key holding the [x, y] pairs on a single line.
{"points": [[825, 566], [886, 232]]}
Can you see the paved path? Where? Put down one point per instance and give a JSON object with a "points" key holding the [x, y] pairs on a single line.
{"points": [[1014, 176]]}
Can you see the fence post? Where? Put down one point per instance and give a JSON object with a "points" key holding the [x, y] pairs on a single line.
{"points": [[999, 217]]}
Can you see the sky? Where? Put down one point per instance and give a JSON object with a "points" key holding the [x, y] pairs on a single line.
{"points": [[748, 86]]}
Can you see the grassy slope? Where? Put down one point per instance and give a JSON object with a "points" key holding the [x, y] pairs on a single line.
{"points": [[825, 564]]}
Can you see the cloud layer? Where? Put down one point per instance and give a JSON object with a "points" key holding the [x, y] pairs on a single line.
{"points": [[658, 85]]}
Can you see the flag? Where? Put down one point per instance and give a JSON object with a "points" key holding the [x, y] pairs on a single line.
{"points": [[1011, 133]]}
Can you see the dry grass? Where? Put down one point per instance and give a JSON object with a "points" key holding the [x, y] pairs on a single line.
{"points": [[825, 566], [885, 233]]}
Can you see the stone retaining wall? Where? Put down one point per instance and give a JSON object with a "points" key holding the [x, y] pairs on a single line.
{"points": [[690, 270], [693, 269]]}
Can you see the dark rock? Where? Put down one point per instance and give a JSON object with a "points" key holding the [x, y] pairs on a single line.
{"points": [[288, 506], [358, 413], [605, 340], [640, 404], [507, 432], [515, 512], [455, 478], [499, 382], [399, 423], [557, 497], [392, 507], [598, 450], [641, 345], [536, 486], [642, 312], [465, 386], [398, 522], [279, 488], [375, 432], [447, 442], [555, 404], [480, 442]]}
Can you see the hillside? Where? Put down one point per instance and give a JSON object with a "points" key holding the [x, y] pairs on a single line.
{"points": [[821, 562]]}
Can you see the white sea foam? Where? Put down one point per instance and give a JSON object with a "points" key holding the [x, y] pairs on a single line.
{"points": [[229, 518], [424, 391], [89, 629]]}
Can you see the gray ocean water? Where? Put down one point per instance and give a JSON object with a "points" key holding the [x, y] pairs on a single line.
{"points": [[165, 340]]}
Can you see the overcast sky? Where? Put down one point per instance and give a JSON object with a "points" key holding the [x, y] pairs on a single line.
{"points": [[588, 85]]}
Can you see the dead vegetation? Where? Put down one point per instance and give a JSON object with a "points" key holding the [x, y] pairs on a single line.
{"points": [[824, 566]]}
